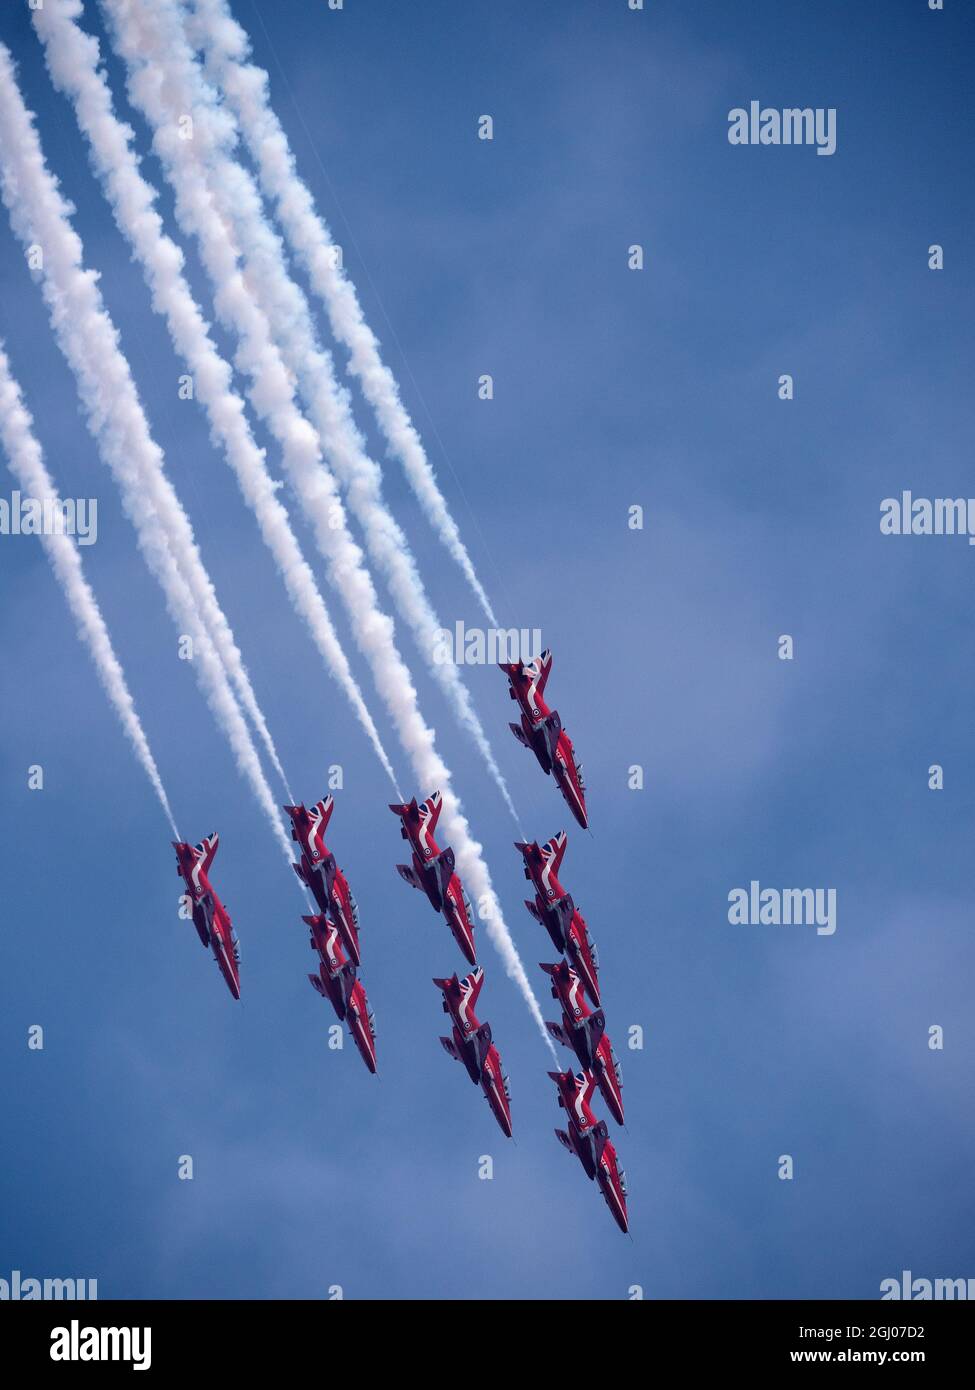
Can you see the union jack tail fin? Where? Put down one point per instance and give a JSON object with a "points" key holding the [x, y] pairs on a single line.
{"points": [[544, 665], [207, 850], [554, 849]]}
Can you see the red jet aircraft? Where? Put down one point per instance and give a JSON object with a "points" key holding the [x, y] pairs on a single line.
{"points": [[584, 1031], [433, 870], [471, 1043], [541, 731], [336, 981], [589, 1140], [556, 911], [319, 872], [210, 917]]}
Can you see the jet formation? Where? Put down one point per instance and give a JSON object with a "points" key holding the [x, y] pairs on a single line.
{"points": [[434, 872], [318, 871], [334, 936], [334, 929], [337, 981], [589, 1140], [581, 1029], [554, 908]]}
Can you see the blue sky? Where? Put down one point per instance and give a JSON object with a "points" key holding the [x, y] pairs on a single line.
{"points": [[612, 387]]}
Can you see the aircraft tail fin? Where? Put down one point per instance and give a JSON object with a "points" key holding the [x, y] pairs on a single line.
{"points": [[476, 982], [554, 850], [543, 664], [433, 806], [587, 1083], [207, 850]]}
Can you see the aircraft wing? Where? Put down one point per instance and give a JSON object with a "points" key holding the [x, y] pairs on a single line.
{"points": [[483, 1041], [563, 910], [411, 876], [201, 924], [599, 1135], [551, 728], [596, 1027], [443, 866]]}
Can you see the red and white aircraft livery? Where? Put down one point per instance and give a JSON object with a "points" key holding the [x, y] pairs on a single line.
{"points": [[210, 917], [557, 912], [336, 981], [541, 731], [433, 870], [584, 1031], [471, 1043], [589, 1140], [319, 872]]}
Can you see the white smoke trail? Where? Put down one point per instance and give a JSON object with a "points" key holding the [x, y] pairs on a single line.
{"points": [[89, 341], [73, 62], [227, 48], [292, 328], [223, 639], [27, 465], [149, 39]]}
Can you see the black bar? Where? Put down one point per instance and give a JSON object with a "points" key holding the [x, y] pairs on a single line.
{"points": [[249, 1336]]}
